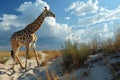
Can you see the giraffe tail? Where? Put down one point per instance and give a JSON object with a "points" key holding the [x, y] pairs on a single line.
{"points": [[12, 54]]}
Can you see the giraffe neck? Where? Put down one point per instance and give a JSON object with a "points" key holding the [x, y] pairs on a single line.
{"points": [[35, 25]]}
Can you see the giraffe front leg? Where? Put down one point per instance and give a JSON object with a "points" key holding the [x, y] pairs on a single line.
{"points": [[27, 55], [35, 52]]}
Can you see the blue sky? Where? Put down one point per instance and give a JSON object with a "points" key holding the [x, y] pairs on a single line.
{"points": [[77, 20]]}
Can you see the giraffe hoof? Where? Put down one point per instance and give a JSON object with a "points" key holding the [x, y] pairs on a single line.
{"points": [[26, 69], [22, 68]]}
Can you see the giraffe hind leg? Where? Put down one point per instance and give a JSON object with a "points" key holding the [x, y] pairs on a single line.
{"points": [[14, 56], [14, 53]]}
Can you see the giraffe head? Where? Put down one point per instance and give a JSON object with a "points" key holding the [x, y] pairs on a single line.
{"points": [[48, 13]]}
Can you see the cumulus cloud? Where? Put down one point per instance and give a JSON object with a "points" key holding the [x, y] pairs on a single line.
{"points": [[7, 20], [53, 29], [81, 8]]}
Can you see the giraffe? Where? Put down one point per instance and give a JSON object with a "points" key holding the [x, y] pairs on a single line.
{"points": [[27, 37]]}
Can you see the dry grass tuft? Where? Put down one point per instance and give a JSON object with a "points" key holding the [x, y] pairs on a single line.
{"points": [[51, 75], [74, 55], [31, 54], [52, 54], [109, 46], [4, 56], [112, 45]]}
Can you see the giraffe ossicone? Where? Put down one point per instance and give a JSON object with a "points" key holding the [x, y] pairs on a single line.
{"points": [[27, 37]]}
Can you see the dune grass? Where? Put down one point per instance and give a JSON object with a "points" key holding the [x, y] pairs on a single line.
{"points": [[51, 54], [74, 54]]}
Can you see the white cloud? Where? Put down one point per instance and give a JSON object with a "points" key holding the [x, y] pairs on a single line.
{"points": [[53, 29], [103, 15], [77, 35], [37, 6], [67, 18], [30, 11], [101, 31], [80, 8], [105, 27], [7, 21]]}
